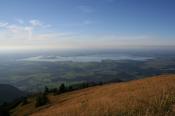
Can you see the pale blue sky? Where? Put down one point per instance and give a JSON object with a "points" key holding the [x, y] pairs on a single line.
{"points": [[86, 23]]}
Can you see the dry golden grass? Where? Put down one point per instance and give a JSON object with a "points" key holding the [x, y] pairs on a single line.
{"points": [[153, 96]]}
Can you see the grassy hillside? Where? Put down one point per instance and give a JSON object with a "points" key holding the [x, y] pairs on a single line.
{"points": [[153, 96]]}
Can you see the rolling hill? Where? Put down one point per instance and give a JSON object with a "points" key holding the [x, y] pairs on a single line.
{"points": [[9, 93], [154, 96]]}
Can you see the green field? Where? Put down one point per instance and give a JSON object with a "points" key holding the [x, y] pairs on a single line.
{"points": [[34, 76]]}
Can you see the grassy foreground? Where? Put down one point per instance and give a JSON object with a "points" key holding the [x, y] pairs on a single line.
{"points": [[154, 96]]}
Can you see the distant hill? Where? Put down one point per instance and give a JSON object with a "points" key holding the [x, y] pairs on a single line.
{"points": [[9, 93], [154, 96]]}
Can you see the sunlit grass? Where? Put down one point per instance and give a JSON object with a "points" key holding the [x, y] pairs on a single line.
{"points": [[147, 97]]}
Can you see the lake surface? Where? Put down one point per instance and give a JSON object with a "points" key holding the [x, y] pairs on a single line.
{"points": [[86, 58]]}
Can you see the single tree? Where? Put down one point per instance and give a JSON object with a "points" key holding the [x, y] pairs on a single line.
{"points": [[62, 88], [46, 90]]}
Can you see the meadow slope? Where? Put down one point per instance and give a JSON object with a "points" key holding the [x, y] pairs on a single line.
{"points": [[154, 96]]}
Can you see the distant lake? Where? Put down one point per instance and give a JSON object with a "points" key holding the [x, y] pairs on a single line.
{"points": [[86, 58]]}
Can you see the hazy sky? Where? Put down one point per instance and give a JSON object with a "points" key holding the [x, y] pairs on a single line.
{"points": [[86, 23]]}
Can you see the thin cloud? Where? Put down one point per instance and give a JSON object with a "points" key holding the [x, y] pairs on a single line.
{"points": [[3, 24], [20, 30], [20, 21], [38, 23], [18, 35], [35, 23]]}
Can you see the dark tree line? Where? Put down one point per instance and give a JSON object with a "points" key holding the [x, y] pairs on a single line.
{"points": [[42, 99], [63, 88]]}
